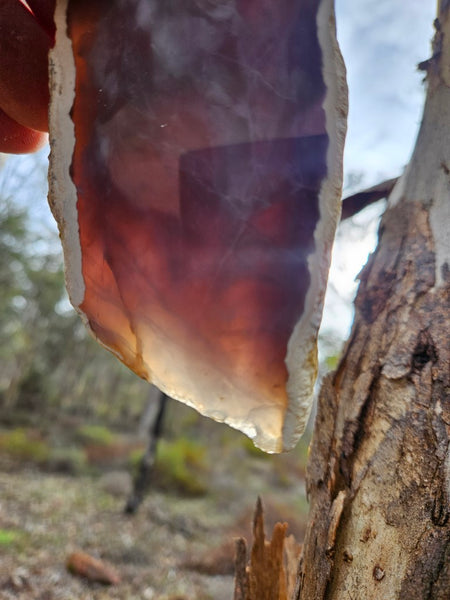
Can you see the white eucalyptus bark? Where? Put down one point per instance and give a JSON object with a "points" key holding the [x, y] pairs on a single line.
{"points": [[379, 474]]}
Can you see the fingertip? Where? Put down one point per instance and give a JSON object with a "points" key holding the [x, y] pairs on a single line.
{"points": [[17, 139], [24, 47]]}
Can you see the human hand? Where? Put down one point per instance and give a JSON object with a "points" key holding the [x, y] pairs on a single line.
{"points": [[26, 35]]}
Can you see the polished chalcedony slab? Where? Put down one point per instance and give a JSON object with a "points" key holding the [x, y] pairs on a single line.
{"points": [[196, 170]]}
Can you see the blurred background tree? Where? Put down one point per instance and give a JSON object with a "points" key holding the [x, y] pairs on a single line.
{"points": [[49, 363]]}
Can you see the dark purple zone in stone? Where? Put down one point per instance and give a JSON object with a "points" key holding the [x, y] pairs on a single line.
{"points": [[250, 210], [257, 49]]}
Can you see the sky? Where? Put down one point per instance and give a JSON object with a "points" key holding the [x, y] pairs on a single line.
{"points": [[382, 41]]}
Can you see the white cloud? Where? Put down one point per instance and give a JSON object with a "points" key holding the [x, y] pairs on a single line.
{"points": [[382, 42]]}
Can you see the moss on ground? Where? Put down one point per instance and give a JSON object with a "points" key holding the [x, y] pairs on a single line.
{"points": [[24, 445], [95, 434], [181, 466]]}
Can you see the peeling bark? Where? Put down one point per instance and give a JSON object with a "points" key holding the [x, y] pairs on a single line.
{"points": [[379, 473]]}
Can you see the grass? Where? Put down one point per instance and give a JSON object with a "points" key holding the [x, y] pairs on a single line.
{"points": [[252, 450], [8, 537], [12, 539], [95, 434], [181, 466], [24, 445]]}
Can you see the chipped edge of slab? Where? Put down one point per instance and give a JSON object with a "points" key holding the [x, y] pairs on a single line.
{"points": [[301, 358], [62, 192]]}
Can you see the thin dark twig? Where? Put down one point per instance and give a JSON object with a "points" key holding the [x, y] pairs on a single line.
{"points": [[356, 202], [143, 477]]}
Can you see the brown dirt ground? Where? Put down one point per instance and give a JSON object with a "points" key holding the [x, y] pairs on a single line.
{"points": [[175, 548]]}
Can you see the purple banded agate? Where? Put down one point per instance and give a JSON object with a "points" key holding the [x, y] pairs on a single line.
{"points": [[200, 144]]}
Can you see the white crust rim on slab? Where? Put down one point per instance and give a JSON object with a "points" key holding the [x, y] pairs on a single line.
{"points": [[62, 191], [301, 359]]}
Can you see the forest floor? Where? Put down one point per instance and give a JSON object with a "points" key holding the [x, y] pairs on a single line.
{"points": [[180, 544]]}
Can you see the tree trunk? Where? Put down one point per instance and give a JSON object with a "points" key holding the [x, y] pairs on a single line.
{"points": [[379, 473]]}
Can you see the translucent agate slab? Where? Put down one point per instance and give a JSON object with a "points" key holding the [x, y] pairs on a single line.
{"points": [[195, 176]]}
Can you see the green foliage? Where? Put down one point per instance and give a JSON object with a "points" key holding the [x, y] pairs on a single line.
{"points": [[252, 450], [10, 537], [95, 434], [181, 466], [24, 445], [332, 361]]}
